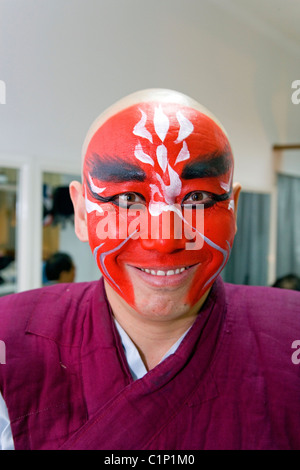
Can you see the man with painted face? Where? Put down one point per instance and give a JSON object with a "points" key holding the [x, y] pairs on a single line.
{"points": [[160, 353], [154, 152]]}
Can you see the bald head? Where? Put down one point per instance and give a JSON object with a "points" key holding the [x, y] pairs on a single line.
{"points": [[155, 95]]}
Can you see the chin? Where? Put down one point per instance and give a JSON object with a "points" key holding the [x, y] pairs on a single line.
{"points": [[161, 306]]}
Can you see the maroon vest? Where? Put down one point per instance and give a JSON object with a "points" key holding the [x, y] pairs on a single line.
{"points": [[231, 384]]}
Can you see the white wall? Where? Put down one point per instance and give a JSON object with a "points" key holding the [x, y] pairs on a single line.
{"points": [[64, 61]]}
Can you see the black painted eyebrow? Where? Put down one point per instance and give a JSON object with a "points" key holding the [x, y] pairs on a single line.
{"points": [[209, 166], [114, 169]]}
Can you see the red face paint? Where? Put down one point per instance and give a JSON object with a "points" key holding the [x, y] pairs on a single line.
{"points": [[148, 170]]}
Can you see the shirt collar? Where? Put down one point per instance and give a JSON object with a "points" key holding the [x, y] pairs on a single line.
{"points": [[135, 363]]}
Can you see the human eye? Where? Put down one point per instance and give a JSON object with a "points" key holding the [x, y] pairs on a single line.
{"points": [[197, 198], [127, 200]]}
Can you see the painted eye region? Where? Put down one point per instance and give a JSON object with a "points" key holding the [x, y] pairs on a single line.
{"points": [[127, 200], [122, 200], [195, 199], [192, 200]]}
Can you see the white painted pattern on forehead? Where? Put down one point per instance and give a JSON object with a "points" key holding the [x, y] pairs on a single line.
{"points": [[161, 126], [94, 188], [161, 123], [186, 127], [140, 129], [184, 153], [146, 96]]}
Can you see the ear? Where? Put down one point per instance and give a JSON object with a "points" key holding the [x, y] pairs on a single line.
{"points": [[80, 219], [236, 192]]}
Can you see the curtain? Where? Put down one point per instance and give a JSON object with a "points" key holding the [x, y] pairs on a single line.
{"points": [[248, 262], [288, 226]]}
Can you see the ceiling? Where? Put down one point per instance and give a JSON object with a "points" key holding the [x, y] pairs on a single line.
{"points": [[276, 18]]}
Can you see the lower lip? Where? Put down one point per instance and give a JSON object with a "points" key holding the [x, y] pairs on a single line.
{"points": [[173, 280]]}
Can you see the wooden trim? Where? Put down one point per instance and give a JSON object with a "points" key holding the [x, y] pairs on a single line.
{"points": [[286, 147]]}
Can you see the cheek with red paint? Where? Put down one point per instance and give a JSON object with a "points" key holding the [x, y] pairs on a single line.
{"points": [[219, 231], [106, 242]]}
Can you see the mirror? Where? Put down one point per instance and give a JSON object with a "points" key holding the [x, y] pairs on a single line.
{"points": [[58, 229], [8, 230]]}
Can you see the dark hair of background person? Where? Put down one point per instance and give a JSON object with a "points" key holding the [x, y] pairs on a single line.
{"points": [[60, 267], [290, 281]]}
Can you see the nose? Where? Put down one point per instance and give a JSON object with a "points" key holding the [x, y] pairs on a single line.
{"points": [[165, 233]]}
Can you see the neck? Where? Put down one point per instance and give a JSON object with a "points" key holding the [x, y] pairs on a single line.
{"points": [[152, 336]]}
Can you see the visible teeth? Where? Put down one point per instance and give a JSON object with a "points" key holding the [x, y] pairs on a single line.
{"points": [[171, 272]]}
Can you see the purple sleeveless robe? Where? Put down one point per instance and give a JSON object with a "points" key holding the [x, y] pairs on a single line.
{"points": [[231, 384]]}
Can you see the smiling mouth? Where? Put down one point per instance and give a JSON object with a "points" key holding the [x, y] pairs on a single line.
{"points": [[166, 272]]}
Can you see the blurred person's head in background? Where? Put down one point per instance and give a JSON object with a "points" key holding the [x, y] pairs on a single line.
{"points": [[60, 268], [289, 281]]}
